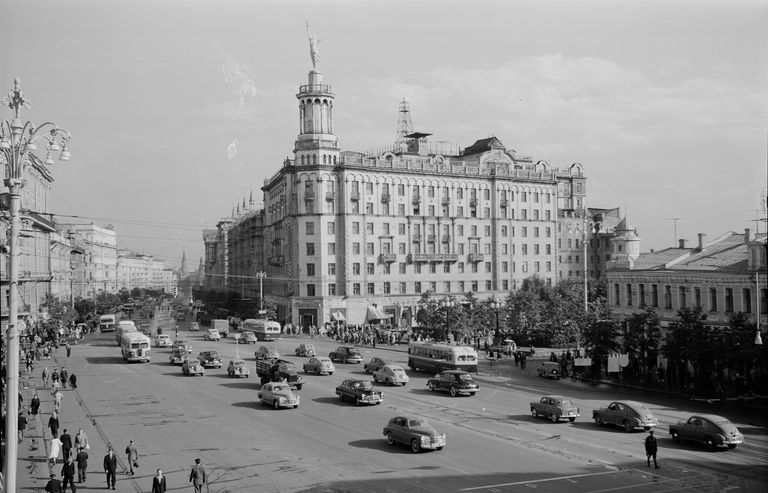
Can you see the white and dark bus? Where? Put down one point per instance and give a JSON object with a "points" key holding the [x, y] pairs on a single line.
{"points": [[265, 330], [135, 347], [435, 357], [107, 323]]}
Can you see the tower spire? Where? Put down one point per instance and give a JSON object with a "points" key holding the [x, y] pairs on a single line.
{"points": [[404, 123]]}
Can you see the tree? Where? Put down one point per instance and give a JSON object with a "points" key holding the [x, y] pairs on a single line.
{"points": [[59, 313], [641, 342], [600, 338], [689, 342]]}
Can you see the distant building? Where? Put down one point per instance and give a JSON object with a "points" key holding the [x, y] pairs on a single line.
{"points": [[100, 262], [725, 276], [138, 270]]}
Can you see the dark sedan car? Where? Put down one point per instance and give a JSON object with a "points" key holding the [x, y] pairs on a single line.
{"points": [[417, 433], [210, 359], [454, 381], [709, 429], [628, 414], [359, 391]]}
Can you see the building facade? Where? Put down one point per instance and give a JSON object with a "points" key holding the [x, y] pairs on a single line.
{"points": [[138, 270], [361, 236]]}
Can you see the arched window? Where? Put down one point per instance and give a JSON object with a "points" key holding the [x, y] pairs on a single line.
{"points": [[314, 158]]}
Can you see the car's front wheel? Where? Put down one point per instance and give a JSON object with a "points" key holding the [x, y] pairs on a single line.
{"points": [[553, 417], [431, 386], [454, 391], [415, 445], [534, 413], [275, 404], [571, 419], [676, 437], [390, 438], [731, 446]]}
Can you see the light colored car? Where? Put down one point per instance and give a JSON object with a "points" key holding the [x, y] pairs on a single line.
{"points": [[708, 429], [318, 365], [277, 395], [628, 414], [238, 368], [415, 432], [178, 355], [390, 375], [182, 344], [193, 326], [555, 408], [192, 366], [212, 335], [248, 337], [305, 350], [163, 340], [265, 352]]}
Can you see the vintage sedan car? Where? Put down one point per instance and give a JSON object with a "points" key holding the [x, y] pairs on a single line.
{"points": [[390, 375], [193, 326], [277, 395], [209, 359], [374, 364], [417, 433], [318, 365], [555, 408], [163, 340], [457, 382], [238, 368], [628, 414], [183, 344], [346, 354], [192, 366], [359, 391], [305, 350], [177, 357], [212, 335], [708, 429], [549, 369], [265, 352], [248, 337]]}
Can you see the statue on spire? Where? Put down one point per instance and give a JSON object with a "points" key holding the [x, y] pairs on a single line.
{"points": [[313, 42]]}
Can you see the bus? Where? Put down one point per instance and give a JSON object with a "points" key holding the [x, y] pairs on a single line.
{"points": [[107, 323], [135, 346], [123, 327], [265, 330], [435, 357]]}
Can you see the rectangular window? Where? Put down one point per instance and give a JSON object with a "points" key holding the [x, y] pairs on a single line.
{"points": [[402, 288], [668, 296], [331, 248], [504, 248], [460, 248], [629, 295], [536, 249], [549, 266], [417, 287], [746, 293], [331, 289], [369, 208], [369, 228], [617, 294], [473, 269], [655, 295], [447, 286], [369, 269], [504, 231], [430, 191], [487, 230], [332, 269], [331, 228], [310, 289], [447, 268], [505, 285], [642, 294], [310, 270], [433, 286], [729, 300], [524, 231], [432, 268], [473, 228], [401, 248], [525, 249], [401, 210], [402, 267], [461, 267], [401, 189], [355, 248], [536, 232], [681, 297], [712, 299], [417, 268], [371, 288], [504, 267], [474, 286], [387, 288], [369, 248], [459, 211], [310, 228], [549, 249], [310, 248], [487, 267], [401, 229], [536, 266], [356, 269], [356, 288], [355, 228], [697, 296]]}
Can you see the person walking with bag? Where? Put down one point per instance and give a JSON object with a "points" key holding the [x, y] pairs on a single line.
{"points": [[650, 449], [133, 457]]}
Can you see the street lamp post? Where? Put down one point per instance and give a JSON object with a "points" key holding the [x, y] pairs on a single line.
{"points": [[496, 305], [447, 304], [18, 143], [261, 275]]}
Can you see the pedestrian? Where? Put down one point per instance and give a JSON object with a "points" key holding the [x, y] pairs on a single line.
{"points": [[68, 475], [523, 359], [158, 482], [517, 358], [22, 426], [66, 444], [55, 378], [63, 377], [133, 457], [197, 476], [81, 440], [34, 405], [69, 350], [82, 464], [45, 377], [53, 424], [53, 485], [650, 449], [57, 397], [73, 381], [55, 450], [110, 467]]}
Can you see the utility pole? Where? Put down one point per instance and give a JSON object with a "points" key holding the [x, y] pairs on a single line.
{"points": [[675, 219]]}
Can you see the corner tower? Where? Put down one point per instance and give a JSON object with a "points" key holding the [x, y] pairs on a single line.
{"points": [[316, 143]]}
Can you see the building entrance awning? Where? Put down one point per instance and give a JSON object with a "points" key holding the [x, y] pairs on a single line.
{"points": [[338, 316], [376, 313]]}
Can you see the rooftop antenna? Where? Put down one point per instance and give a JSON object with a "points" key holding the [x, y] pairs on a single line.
{"points": [[675, 219], [404, 123]]}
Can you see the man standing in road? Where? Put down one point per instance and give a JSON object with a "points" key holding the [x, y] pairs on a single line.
{"points": [[651, 449], [158, 483], [66, 444], [34, 405], [82, 464], [68, 475], [110, 467], [53, 424], [197, 476], [133, 457]]}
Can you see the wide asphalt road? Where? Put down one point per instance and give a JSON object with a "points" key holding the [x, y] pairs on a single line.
{"points": [[493, 442]]}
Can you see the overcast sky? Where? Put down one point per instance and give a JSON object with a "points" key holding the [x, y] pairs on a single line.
{"points": [[179, 109]]}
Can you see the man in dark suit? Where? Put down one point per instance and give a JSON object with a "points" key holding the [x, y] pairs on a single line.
{"points": [[66, 444], [53, 485], [158, 482], [110, 467], [68, 474]]}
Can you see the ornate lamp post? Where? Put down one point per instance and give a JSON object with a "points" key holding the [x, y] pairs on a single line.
{"points": [[18, 146], [261, 275], [447, 304], [497, 305]]}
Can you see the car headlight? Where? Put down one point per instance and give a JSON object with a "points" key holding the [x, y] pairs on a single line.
{"points": [[281, 400], [425, 440]]}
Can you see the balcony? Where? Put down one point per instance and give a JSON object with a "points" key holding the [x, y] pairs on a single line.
{"points": [[504, 203], [446, 201], [416, 238], [330, 196], [277, 260], [473, 202], [387, 257], [354, 196], [476, 257], [431, 238], [432, 257], [416, 199], [446, 238], [385, 198], [309, 195]]}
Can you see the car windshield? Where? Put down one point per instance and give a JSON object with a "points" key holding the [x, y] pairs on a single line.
{"points": [[193, 362], [324, 360], [642, 410], [212, 354], [414, 423], [397, 370], [363, 385], [281, 387], [564, 402], [239, 363], [353, 350]]}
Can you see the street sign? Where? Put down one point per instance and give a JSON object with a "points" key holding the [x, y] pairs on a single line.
{"points": [[262, 312]]}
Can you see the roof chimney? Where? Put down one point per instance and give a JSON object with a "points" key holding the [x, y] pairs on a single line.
{"points": [[701, 240], [682, 243], [747, 237]]}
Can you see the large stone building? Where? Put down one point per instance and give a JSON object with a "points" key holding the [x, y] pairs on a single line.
{"points": [[138, 270], [360, 236], [724, 276]]}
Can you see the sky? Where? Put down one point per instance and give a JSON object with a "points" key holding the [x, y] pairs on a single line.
{"points": [[179, 110]]}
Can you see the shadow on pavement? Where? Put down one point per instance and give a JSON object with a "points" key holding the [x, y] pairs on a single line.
{"points": [[380, 444], [104, 360], [332, 400], [242, 385]]}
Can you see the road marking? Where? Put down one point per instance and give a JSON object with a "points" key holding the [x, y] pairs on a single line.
{"points": [[559, 478]]}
